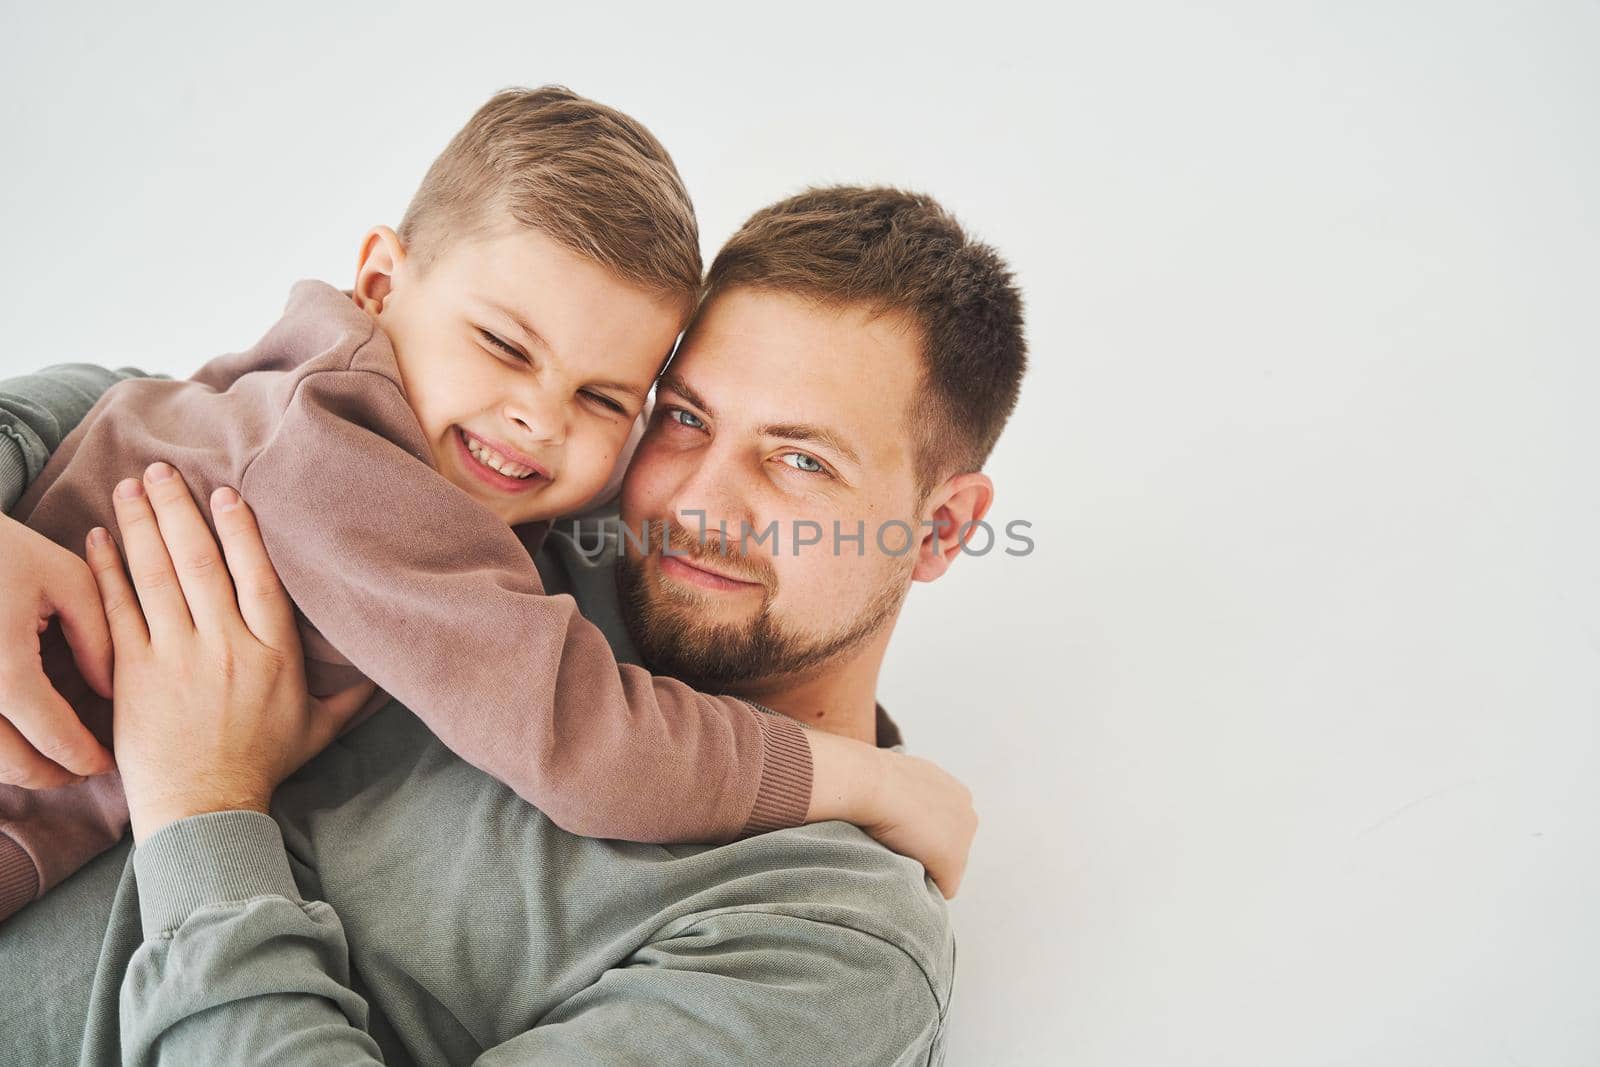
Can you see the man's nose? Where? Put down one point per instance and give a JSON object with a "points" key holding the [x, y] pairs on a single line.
{"points": [[711, 503]]}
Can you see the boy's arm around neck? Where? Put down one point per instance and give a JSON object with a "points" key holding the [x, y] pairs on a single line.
{"points": [[438, 602]]}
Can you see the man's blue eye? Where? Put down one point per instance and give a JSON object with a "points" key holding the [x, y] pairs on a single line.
{"points": [[691, 421], [803, 462]]}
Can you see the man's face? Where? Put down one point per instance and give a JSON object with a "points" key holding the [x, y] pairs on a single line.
{"points": [[526, 365], [774, 411]]}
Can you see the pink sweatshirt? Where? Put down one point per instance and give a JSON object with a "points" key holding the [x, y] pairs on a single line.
{"points": [[401, 577]]}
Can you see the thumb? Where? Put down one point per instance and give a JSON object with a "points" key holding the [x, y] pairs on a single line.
{"points": [[331, 714], [49, 724], [75, 599]]}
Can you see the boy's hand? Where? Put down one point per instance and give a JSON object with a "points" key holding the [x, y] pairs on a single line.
{"points": [[925, 813], [43, 743], [908, 804]]}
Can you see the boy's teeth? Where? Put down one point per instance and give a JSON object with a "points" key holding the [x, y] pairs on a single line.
{"points": [[490, 458]]}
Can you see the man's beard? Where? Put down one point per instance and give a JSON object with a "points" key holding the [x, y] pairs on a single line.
{"points": [[675, 638]]}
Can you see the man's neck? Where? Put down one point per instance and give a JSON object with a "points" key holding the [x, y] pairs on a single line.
{"points": [[841, 698]]}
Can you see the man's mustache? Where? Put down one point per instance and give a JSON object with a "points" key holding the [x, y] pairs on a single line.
{"points": [[720, 555]]}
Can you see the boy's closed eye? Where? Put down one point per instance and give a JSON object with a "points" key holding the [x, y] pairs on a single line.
{"points": [[608, 404]]}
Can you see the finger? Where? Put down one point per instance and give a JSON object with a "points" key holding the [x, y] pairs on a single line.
{"points": [[195, 558], [42, 723], [45, 736], [160, 597], [263, 602], [75, 600], [333, 713], [124, 619], [22, 765]]}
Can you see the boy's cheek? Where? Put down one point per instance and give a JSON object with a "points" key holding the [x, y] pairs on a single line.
{"points": [[600, 478]]}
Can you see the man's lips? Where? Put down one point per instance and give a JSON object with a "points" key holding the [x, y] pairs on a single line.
{"points": [[679, 568]]}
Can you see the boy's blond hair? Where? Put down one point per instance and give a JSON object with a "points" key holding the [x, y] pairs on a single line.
{"points": [[578, 171]]}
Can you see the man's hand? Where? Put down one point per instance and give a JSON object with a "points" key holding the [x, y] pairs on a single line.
{"points": [[43, 743], [910, 805], [210, 710]]}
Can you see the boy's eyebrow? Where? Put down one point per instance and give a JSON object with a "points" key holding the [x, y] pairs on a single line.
{"points": [[623, 387], [521, 324], [533, 335]]}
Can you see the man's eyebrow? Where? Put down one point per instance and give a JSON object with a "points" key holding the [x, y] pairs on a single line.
{"points": [[799, 431], [681, 387]]}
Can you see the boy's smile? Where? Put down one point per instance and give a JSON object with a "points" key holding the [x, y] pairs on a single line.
{"points": [[498, 465], [525, 363]]}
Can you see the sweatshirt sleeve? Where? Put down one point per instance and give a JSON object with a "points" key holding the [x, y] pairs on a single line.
{"points": [[38, 411], [235, 966], [438, 602], [741, 987]]}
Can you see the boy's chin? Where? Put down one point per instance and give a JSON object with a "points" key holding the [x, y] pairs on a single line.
{"points": [[545, 504]]}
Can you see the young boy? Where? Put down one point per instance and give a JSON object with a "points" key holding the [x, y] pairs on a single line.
{"points": [[404, 446]]}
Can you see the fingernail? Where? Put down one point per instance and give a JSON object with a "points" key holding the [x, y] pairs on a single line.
{"points": [[224, 499], [130, 489], [159, 472], [98, 537]]}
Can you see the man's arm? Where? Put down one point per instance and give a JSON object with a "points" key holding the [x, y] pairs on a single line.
{"points": [[38, 411], [237, 967]]}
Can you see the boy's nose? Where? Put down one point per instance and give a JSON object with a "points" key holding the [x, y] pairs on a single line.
{"points": [[543, 423]]}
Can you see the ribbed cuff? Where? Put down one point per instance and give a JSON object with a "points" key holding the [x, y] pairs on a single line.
{"points": [[19, 878], [13, 472], [218, 858], [784, 796]]}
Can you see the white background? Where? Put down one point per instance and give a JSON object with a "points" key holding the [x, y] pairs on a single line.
{"points": [[1285, 737]]}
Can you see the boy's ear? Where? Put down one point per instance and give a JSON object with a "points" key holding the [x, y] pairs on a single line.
{"points": [[376, 266], [961, 500]]}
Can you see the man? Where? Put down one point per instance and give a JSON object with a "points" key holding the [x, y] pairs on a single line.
{"points": [[854, 362]]}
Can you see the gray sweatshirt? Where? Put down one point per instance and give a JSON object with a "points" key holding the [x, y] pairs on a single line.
{"points": [[402, 906]]}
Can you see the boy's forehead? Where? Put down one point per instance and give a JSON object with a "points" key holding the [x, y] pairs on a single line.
{"points": [[510, 262]]}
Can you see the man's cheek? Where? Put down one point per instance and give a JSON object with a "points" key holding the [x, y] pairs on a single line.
{"points": [[644, 486]]}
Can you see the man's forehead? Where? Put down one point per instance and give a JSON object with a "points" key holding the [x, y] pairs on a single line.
{"points": [[766, 357]]}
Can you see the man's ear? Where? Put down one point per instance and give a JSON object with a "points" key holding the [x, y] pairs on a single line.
{"points": [[963, 499], [376, 267]]}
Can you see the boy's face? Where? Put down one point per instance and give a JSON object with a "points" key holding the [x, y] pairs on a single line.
{"points": [[525, 363]]}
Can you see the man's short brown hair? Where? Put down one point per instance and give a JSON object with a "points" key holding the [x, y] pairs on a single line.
{"points": [[900, 252], [578, 171]]}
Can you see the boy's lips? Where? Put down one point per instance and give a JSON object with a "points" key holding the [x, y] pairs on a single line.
{"points": [[487, 474]]}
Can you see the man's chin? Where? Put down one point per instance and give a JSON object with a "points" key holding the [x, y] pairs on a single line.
{"points": [[702, 618]]}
